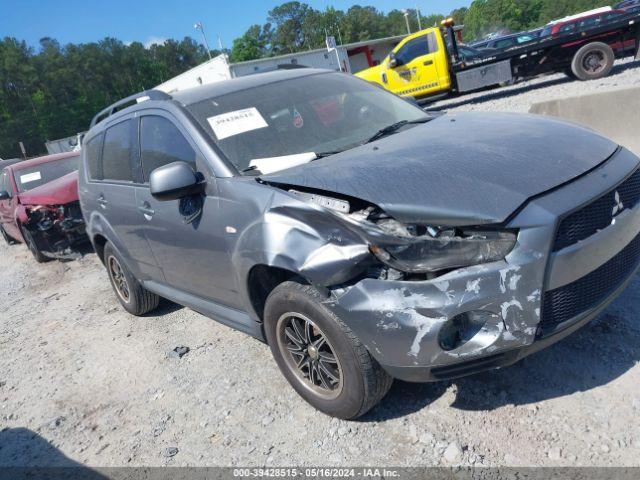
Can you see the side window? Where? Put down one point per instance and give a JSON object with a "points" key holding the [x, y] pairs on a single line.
{"points": [[590, 22], [570, 27], [506, 43], [413, 49], [93, 159], [162, 143], [5, 183], [116, 153]]}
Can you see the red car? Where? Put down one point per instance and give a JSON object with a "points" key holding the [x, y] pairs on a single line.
{"points": [[39, 205]]}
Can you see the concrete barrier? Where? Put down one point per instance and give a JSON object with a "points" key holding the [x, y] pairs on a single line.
{"points": [[615, 114]]}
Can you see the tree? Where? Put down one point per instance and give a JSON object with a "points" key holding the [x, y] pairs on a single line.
{"points": [[253, 44], [289, 20]]}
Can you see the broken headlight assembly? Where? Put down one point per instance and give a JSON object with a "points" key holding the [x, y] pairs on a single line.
{"points": [[442, 249]]}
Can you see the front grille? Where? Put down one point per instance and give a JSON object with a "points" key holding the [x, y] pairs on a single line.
{"points": [[598, 214], [566, 302]]}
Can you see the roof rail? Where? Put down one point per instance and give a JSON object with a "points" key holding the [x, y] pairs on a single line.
{"points": [[110, 110]]}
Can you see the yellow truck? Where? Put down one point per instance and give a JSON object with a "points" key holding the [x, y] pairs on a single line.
{"points": [[431, 62]]}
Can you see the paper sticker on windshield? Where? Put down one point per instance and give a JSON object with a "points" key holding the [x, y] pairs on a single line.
{"points": [[237, 122], [30, 177]]}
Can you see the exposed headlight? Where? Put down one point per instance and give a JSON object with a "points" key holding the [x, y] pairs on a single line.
{"points": [[445, 250]]}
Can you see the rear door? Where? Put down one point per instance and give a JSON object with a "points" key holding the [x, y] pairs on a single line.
{"points": [[114, 196], [416, 72], [186, 238]]}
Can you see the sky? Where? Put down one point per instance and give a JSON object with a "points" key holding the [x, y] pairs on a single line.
{"points": [[148, 21]]}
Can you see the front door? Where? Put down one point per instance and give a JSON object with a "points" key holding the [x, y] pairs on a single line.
{"points": [[186, 236], [416, 71]]}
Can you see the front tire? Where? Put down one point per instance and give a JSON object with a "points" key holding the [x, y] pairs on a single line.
{"points": [[33, 246], [133, 297], [594, 60], [319, 355], [7, 238]]}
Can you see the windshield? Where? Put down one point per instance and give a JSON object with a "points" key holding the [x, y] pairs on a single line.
{"points": [[32, 177], [285, 123]]}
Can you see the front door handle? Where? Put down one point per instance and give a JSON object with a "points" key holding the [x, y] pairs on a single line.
{"points": [[146, 209]]}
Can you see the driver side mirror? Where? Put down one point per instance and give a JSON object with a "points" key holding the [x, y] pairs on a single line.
{"points": [[174, 181], [4, 195]]}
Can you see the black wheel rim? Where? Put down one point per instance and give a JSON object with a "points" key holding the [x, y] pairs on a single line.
{"points": [[119, 280], [309, 354], [594, 62]]}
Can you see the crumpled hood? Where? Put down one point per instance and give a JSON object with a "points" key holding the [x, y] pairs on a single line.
{"points": [[60, 191], [458, 169]]}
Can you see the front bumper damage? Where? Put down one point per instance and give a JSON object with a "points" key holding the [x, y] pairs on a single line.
{"points": [[56, 230], [401, 322]]}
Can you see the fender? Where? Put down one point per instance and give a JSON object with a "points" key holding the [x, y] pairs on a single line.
{"points": [[301, 238]]}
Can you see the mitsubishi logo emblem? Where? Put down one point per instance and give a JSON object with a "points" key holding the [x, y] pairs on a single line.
{"points": [[618, 206]]}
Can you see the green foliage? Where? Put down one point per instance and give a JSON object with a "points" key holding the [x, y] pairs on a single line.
{"points": [[54, 92], [486, 16]]}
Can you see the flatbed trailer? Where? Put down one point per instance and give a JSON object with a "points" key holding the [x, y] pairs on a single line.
{"points": [[441, 69]]}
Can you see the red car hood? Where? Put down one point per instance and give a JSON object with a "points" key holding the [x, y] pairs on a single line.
{"points": [[61, 191]]}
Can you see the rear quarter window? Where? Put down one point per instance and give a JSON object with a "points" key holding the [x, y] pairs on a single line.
{"points": [[116, 153], [93, 159]]}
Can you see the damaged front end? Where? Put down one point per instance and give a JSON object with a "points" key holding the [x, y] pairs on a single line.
{"points": [[56, 229], [428, 297]]}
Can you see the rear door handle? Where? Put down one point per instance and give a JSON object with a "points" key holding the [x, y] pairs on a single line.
{"points": [[428, 62], [102, 201]]}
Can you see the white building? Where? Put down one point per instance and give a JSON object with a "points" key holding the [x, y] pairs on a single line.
{"points": [[349, 58]]}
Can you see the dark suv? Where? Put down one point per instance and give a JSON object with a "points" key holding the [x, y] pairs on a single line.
{"points": [[360, 237]]}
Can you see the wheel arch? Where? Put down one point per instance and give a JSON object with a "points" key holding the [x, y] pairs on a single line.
{"points": [[99, 242], [262, 279]]}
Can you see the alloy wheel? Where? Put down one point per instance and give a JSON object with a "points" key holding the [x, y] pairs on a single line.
{"points": [[119, 280], [309, 354]]}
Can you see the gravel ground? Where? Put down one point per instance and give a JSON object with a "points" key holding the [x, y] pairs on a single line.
{"points": [[83, 381]]}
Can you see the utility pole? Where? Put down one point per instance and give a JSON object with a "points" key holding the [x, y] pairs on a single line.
{"points": [[406, 19], [418, 15], [339, 34], [199, 26]]}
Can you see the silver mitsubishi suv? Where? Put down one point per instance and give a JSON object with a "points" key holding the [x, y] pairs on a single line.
{"points": [[360, 237]]}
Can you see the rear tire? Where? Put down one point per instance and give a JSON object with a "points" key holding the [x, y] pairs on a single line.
{"points": [[133, 297], [594, 60], [319, 355], [32, 246]]}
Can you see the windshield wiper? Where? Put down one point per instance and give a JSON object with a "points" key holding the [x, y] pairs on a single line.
{"points": [[394, 127], [250, 168], [327, 154]]}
